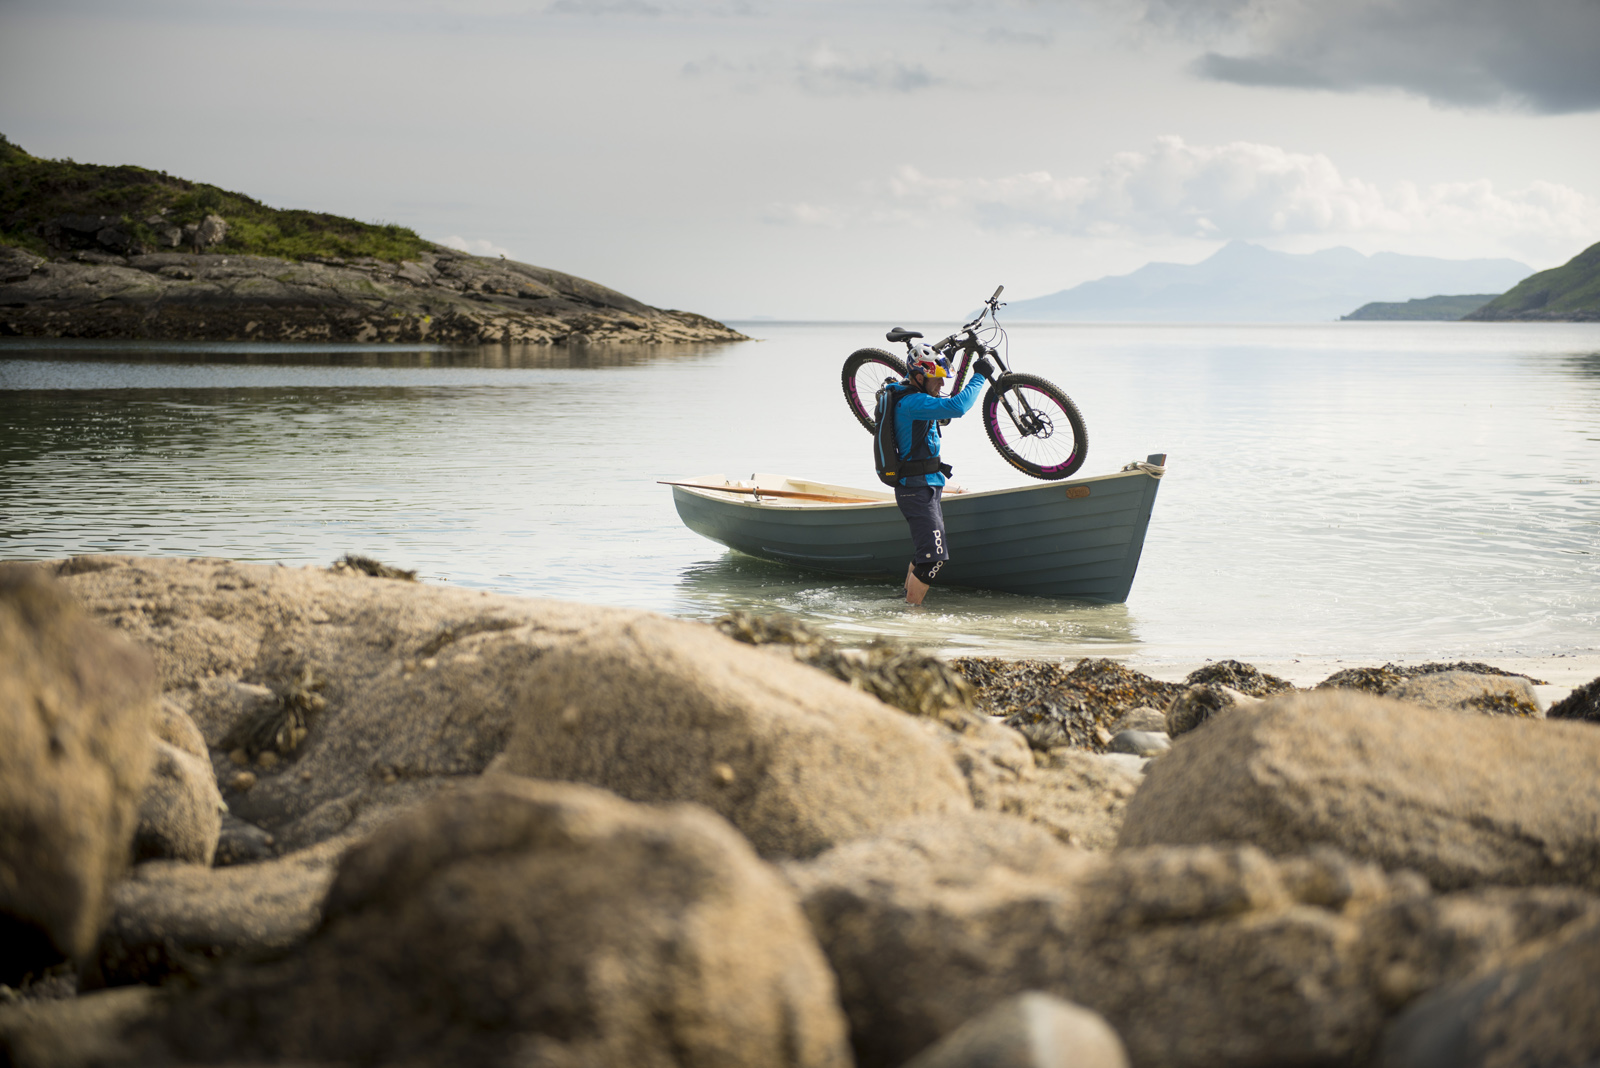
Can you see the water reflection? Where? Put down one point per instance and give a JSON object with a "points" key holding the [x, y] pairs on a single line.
{"points": [[266, 354], [955, 621], [1587, 364]]}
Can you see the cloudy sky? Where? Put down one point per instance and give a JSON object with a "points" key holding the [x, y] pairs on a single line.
{"points": [[875, 159]]}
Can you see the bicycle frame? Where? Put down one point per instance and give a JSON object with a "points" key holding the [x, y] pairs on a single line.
{"points": [[970, 347]]}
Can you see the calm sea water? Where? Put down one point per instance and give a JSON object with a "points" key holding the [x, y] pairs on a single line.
{"points": [[1344, 489]]}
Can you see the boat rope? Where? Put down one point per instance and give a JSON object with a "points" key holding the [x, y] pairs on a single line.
{"points": [[1153, 470]]}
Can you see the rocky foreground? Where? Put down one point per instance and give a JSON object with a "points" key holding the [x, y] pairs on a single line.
{"points": [[443, 296], [261, 815]]}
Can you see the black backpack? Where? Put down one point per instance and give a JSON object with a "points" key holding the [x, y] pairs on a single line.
{"points": [[886, 446]]}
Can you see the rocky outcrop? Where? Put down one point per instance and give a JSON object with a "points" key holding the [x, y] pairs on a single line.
{"points": [[327, 696], [1197, 956], [444, 296], [1468, 800], [539, 923], [77, 705]]}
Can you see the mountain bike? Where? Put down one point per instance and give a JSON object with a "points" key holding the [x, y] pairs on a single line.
{"points": [[1030, 421]]}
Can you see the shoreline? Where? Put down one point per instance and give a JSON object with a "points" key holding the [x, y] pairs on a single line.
{"points": [[1568, 670]]}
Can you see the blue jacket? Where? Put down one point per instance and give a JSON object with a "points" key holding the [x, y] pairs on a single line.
{"points": [[915, 407]]}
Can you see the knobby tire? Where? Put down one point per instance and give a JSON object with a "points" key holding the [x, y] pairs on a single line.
{"points": [[1051, 443], [864, 371]]}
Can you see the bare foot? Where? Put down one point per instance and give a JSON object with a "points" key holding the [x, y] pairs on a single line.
{"points": [[916, 589]]}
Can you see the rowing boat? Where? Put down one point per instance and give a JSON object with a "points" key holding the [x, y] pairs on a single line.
{"points": [[1079, 539]]}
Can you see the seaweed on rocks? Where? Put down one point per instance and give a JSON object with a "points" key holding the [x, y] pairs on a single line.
{"points": [[908, 679], [1245, 678], [1380, 680], [1053, 705], [1473, 667], [1502, 704], [1582, 703], [368, 566], [280, 726]]}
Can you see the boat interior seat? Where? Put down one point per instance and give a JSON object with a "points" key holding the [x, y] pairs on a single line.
{"points": [[900, 333]]}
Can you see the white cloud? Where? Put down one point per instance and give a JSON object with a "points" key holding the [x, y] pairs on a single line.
{"points": [[477, 246], [821, 68], [1538, 55], [1236, 190]]}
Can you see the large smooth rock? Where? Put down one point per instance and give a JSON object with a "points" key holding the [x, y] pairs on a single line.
{"points": [[539, 923], [1198, 957], [1469, 691], [1465, 800], [347, 694], [77, 703], [1542, 1009], [661, 710], [180, 813], [1031, 1030]]}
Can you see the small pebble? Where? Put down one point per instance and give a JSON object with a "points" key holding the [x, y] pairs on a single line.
{"points": [[239, 757], [242, 781], [722, 774], [305, 776], [267, 760]]}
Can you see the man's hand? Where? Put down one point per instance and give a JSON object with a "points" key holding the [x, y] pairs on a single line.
{"points": [[984, 367]]}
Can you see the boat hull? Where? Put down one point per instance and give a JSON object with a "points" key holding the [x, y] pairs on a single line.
{"points": [[1078, 539]]}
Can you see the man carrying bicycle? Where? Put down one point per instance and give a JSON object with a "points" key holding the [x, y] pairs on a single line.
{"points": [[918, 409]]}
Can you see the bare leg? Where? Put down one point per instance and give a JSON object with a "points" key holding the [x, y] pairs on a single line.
{"points": [[916, 589]]}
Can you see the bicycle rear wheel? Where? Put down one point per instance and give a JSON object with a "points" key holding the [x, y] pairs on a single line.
{"points": [[1035, 426], [864, 372]]}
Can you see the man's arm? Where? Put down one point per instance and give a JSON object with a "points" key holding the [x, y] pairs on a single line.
{"points": [[922, 406]]}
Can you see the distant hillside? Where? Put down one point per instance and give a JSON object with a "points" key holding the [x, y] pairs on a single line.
{"points": [[1439, 309], [88, 251], [1242, 282], [1568, 293]]}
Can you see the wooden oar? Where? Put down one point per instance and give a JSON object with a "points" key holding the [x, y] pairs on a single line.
{"points": [[775, 493]]}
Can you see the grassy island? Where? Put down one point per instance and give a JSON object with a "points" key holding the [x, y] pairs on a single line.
{"points": [[146, 208]]}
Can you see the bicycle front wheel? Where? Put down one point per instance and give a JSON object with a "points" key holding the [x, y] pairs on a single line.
{"points": [[1035, 426], [865, 371]]}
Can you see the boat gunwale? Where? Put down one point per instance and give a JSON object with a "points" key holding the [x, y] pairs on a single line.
{"points": [[743, 499]]}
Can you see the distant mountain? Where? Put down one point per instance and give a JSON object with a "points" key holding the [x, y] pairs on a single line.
{"points": [[1437, 309], [1242, 282], [1570, 292]]}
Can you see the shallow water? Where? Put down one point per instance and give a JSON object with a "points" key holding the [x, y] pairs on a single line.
{"points": [[1358, 489]]}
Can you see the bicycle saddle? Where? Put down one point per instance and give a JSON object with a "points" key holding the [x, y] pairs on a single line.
{"points": [[901, 334]]}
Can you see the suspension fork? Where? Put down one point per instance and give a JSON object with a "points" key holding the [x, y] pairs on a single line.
{"points": [[1028, 421]]}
